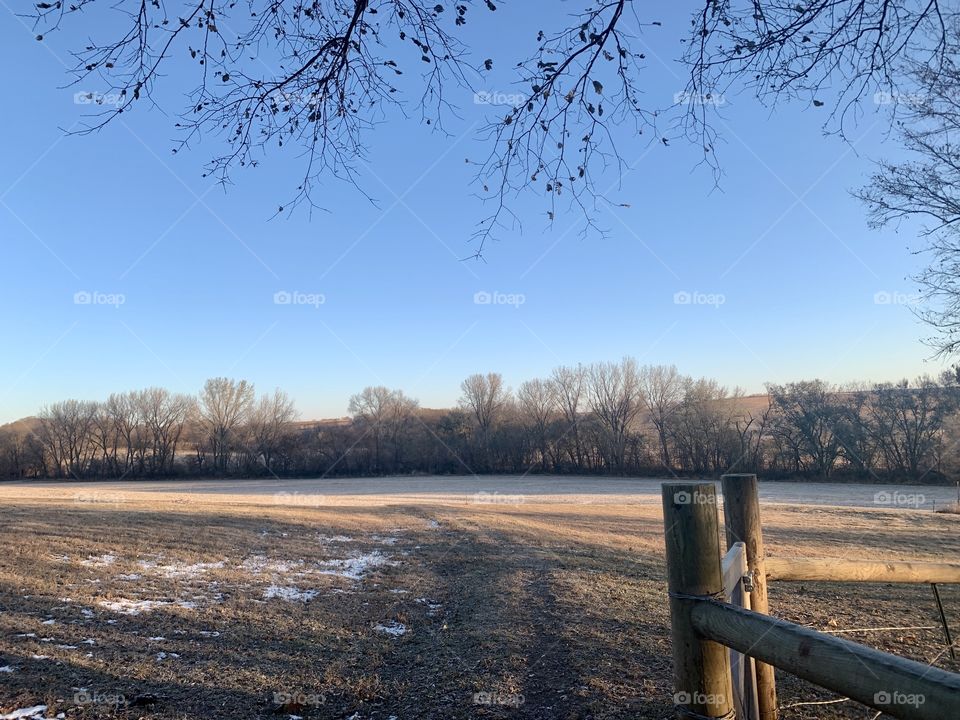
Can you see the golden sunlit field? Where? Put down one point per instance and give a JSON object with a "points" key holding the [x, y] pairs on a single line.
{"points": [[162, 604]]}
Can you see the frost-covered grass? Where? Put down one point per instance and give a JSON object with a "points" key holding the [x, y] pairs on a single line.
{"points": [[203, 608]]}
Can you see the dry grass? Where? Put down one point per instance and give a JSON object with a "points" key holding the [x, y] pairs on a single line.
{"points": [[560, 605]]}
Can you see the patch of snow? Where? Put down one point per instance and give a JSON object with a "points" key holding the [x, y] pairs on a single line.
{"points": [[183, 570], [39, 657], [99, 560], [26, 635], [356, 567], [87, 613], [432, 607], [209, 633], [66, 647], [334, 538], [290, 594], [259, 563], [392, 628], [6, 669], [51, 621], [158, 638], [399, 591], [130, 576], [135, 607], [30, 712], [384, 540]]}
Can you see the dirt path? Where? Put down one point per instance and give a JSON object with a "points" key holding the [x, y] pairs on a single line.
{"points": [[371, 610]]}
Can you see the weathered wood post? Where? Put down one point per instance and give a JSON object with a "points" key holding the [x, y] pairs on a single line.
{"points": [[701, 667], [741, 511]]}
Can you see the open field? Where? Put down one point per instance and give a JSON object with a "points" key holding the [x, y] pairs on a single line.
{"points": [[416, 598]]}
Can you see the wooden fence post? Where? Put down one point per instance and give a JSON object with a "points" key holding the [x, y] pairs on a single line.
{"points": [[741, 511], [701, 667]]}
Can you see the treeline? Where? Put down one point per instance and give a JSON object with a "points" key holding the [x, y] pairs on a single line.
{"points": [[606, 418]]}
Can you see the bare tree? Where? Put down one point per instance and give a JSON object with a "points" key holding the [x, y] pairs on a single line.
{"points": [[224, 406], [164, 414], [386, 415], [269, 425], [536, 400], [65, 430], [810, 415], [836, 53], [925, 187], [615, 400], [485, 397], [400, 421], [907, 422], [337, 67], [661, 389], [569, 384]]}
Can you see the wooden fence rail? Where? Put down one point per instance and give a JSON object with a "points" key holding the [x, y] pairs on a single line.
{"points": [[703, 624], [897, 686], [830, 570]]}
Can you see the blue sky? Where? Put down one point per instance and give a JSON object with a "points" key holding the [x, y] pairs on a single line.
{"points": [[116, 213]]}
